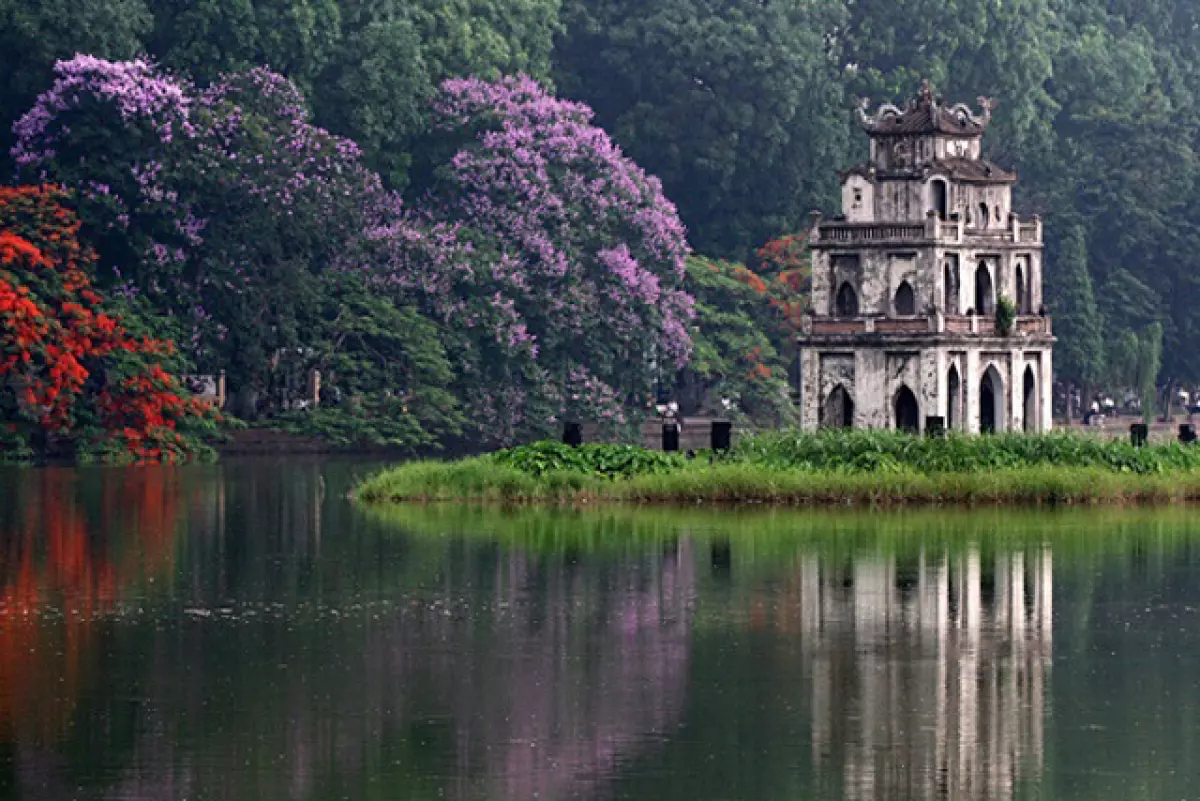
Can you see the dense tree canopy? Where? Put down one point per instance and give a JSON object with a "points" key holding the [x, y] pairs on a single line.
{"points": [[370, 67], [737, 107]]}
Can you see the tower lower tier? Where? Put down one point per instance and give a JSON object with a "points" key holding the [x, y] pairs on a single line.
{"points": [[974, 385]]}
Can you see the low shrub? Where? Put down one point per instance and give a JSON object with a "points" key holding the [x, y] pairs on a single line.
{"points": [[610, 461], [883, 451]]}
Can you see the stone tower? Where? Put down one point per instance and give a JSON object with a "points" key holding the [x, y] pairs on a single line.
{"points": [[907, 280]]}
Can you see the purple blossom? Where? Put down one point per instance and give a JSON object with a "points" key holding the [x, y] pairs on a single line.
{"points": [[134, 89], [546, 236]]}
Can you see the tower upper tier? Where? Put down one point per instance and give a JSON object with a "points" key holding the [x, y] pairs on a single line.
{"points": [[927, 158]]}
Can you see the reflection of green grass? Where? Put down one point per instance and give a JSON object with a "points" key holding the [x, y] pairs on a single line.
{"points": [[769, 534], [481, 479]]}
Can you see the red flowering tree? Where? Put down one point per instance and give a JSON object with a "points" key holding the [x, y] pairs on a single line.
{"points": [[786, 266], [69, 367]]}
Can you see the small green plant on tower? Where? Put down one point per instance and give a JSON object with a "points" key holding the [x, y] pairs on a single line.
{"points": [[1006, 316]]}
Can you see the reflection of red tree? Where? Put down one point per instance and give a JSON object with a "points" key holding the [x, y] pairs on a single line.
{"points": [[58, 572]]}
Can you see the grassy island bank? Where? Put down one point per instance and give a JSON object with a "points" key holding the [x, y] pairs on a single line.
{"points": [[829, 468]]}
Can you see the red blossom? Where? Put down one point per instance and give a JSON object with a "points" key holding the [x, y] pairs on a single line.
{"points": [[51, 325]]}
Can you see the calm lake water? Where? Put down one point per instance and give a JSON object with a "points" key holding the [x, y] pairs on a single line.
{"points": [[240, 631]]}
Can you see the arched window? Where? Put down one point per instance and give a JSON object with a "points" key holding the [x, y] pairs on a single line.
{"points": [[838, 411], [985, 301], [991, 401], [846, 304], [950, 288], [908, 413], [938, 188], [954, 406], [1031, 404], [1022, 292], [905, 301], [984, 216]]}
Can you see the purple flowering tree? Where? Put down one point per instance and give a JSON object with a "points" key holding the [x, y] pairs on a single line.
{"points": [[558, 262], [221, 207]]}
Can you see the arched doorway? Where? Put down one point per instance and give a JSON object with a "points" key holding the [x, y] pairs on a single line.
{"points": [[838, 411], [991, 402], [1029, 393], [985, 302], [950, 288], [905, 301], [939, 198], [847, 301], [954, 405], [908, 413]]}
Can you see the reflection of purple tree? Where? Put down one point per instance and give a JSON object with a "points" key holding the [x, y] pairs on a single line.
{"points": [[539, 685], [587, 686]]}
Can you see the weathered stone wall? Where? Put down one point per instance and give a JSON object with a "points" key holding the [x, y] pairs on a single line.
{"points": [[873, 377], [914, 152], [901, 201], [1002, 268], [858, 199], [837, 369], [875, 275], [966, 200]]}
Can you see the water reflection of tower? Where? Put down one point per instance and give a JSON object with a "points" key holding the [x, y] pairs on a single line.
{"points": [[929, 674]]}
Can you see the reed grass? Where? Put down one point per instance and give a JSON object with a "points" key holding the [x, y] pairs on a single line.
{"points": [[481, 479]]}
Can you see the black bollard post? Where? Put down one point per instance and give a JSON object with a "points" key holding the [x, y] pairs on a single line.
{"points": [[1138, 434], [572, 434], [722, 435], [935, 427], [670, 437], [1187, 433]]}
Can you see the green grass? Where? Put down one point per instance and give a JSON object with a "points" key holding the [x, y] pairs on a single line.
{"points": [[827, 469]]}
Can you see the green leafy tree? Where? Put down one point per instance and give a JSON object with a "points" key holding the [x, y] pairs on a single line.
{"points": [[1121, 362], [386, 375], [738, 107], [998, 48], [1078, 323], [33, 35], [734, 360], [1121, 164], [393, 54], [207, 38]]}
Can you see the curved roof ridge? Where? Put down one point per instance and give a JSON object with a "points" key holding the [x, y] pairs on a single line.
{"points": [[926, 114]]}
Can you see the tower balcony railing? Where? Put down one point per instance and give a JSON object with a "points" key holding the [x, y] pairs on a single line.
{"points": [[937, 323], [852, 233], [933, 231], [1024, 325]]}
